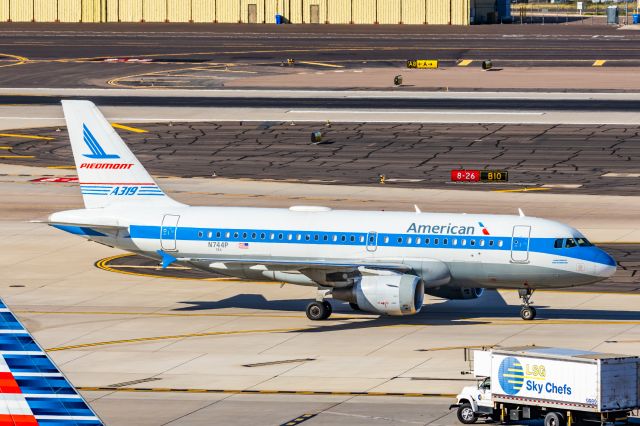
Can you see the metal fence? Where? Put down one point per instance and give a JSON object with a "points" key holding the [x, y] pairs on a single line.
{"points": [[574, 12]]}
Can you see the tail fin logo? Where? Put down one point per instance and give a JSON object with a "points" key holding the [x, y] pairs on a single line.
{"points": [[484, 230], [96, 150]]}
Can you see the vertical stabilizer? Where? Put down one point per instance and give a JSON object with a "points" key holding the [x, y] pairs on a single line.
{"points": [[108, 171]]}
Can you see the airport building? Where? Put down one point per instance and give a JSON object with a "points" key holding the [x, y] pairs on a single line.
{"points": [[430, 12]]}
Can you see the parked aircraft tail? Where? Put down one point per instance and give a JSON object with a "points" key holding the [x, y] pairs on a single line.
{"points": [[108, 171]]}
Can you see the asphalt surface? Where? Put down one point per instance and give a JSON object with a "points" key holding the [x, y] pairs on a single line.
{"points": [[68, 55], [398, 102], [626, 280], [555, 158]]}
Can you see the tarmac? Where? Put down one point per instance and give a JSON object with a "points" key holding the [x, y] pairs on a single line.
{"points": [[584, 159], [164, 350]]}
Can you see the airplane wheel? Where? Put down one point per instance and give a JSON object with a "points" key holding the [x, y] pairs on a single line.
{"points": [[354, 306], [316, 311], [329, 309], [528, 313]]}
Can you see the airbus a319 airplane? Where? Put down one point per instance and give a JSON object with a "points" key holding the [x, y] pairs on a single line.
{"points": [[380, 262]]}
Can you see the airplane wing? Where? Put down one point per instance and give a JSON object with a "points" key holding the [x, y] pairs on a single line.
{"points": [[32, 389]]}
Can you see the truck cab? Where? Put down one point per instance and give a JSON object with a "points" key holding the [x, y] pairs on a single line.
{"points": [[474, 402]]}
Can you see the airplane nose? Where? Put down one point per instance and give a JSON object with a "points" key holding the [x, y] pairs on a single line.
{"points": [[605, 264]]}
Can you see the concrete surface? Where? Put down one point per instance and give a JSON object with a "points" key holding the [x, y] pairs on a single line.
{"points": [[196, 334]]}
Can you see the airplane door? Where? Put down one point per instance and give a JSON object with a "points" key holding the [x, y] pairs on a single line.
{"points": [[372, 241], [520, 244], [168, 232]]}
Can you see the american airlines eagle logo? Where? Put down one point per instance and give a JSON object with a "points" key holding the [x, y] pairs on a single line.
{"points": [[92, 143], [485, 231]]}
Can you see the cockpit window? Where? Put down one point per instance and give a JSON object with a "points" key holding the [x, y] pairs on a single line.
{"points": [[558, 243], [583, 242], [570, 242]]}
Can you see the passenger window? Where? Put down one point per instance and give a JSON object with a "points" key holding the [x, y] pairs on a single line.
{"points": [[218, 235], [335, 238], [399, 240], [298, 237], [307, 237], [244, 235], [472, 242], [418, 240], [557, 243], [235, 235], [262, 236], [490, 243], [435, 241], [210, 234], [290, 237], [570, 243], [280, 236], [228, 234], [353, 238], [409, 240], [455, 241], [500, 243], [253, 235], [200, 234], [272, 236], [326, 238], [362, 238], [463, 242], [386, 240], [427, 241], [344, 238], [445, 241], [316, 237], [481, 243]]}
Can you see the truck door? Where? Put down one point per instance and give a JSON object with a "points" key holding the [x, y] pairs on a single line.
{"points": [[484, 397], [520, 244], [168, 232]]}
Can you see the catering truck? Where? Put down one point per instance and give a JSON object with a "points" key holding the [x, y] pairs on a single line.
{"points": [[561, 386]]}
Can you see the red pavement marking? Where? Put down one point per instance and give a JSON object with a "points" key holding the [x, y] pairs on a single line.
{"points": [[56, 179]]}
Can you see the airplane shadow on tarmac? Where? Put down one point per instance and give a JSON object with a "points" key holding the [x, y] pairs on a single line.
{"points": [[450, 312]]}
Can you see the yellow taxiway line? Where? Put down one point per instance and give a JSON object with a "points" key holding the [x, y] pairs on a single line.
{"points": [[465, 62], [321, 64], [8, 157], [21, 136], [267, 392], [128, 128], [171, 337]]}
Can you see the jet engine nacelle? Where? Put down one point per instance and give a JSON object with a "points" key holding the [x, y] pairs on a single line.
{"points": [[455, 293], [393, 294]]}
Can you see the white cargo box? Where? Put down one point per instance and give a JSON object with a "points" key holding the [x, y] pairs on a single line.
{"points": [[563, 378]]}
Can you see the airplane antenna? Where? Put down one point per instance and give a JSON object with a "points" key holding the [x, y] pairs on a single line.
{"points": [[417, 208], [520, 212]]}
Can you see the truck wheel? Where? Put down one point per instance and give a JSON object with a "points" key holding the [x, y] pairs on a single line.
{"points": [[553, 419], [466, 414]]}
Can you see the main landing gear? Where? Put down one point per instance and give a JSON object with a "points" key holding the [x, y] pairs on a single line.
{"points": [[320, 309], [527, 312]]}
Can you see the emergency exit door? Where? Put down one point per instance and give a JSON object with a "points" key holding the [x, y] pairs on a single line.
{"points": [[520, 244], [169, 232]]}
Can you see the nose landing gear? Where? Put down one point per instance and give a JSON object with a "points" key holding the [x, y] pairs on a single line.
{"points": [[527, 312]]}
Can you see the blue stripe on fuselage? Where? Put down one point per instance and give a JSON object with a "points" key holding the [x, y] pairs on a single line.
{"points": [[536, 245]]}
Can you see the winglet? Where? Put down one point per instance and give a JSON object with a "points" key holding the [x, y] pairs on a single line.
{"points": [[520, 212], [167, 259]]}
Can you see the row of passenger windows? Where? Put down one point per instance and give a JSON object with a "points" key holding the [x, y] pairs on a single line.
{"points": [[282, 236], [445, 241], [571, 242], [350, 238]]}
